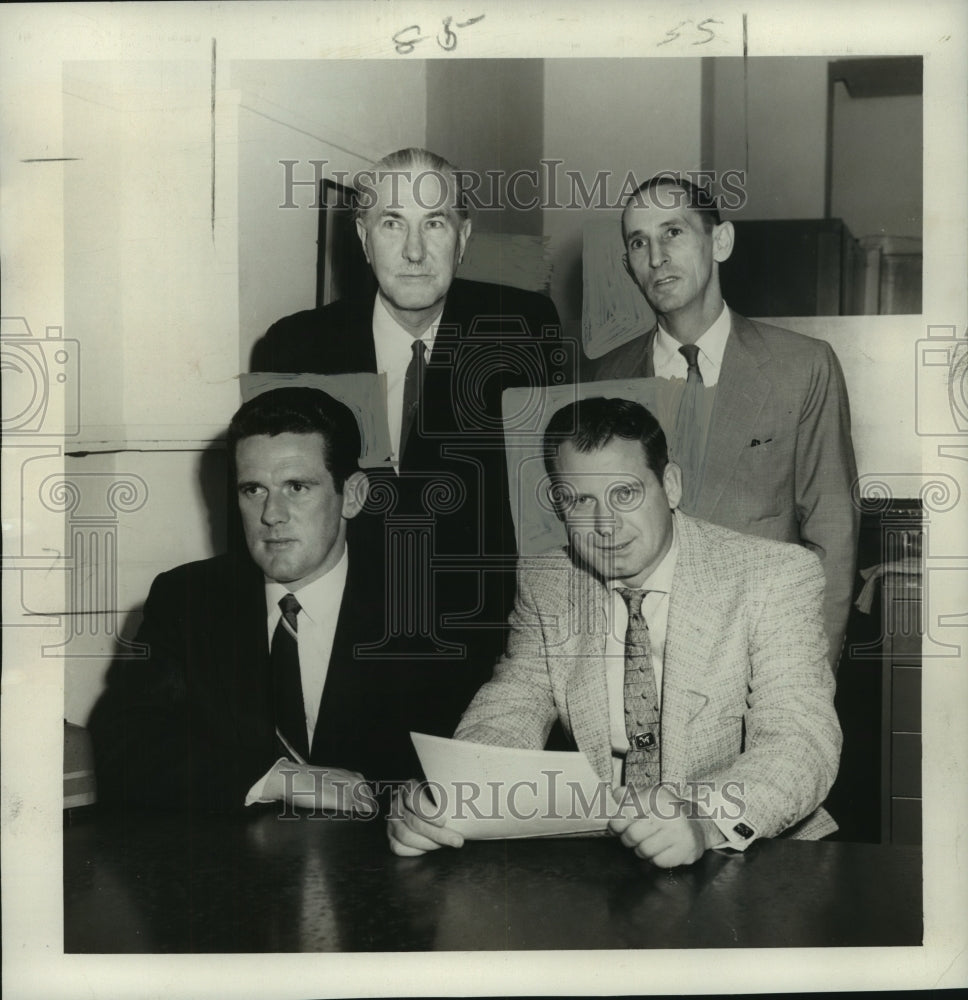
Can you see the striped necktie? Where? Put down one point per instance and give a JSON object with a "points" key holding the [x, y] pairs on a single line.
{"points": [[286, 679]]}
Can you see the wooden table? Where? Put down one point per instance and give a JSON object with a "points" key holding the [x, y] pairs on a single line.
{"points": [[257, 883]]}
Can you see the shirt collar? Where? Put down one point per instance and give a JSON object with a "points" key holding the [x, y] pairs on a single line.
{"points": [[660, 581], [316, 599], [712, 344], [394, 342]]}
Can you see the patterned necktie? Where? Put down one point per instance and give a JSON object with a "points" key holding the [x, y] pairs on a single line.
{"points": [[286, 679], [642, 761], [688, 444], [412, 385]]}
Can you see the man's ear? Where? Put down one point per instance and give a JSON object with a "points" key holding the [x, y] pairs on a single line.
{"points": [[628, 267], [672, 484], [355, 491], [723, 236], [463, 235], [361, 232]]}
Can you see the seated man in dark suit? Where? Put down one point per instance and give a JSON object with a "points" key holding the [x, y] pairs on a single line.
{"points": [[687, 661], [448, 348], [257, 668]]}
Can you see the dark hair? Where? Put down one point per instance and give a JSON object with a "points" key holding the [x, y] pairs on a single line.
{"points": [[589, 424], [301, 410], [699, 199], [407, 162]]}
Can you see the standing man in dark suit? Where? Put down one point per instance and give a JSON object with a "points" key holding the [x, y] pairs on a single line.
{"points": [[448, 348], [257, 686], [775, 457]]}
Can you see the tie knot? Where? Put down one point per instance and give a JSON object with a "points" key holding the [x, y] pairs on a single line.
{"points": [[417, 349], [633, 600], [691, 353], [290, 608]]}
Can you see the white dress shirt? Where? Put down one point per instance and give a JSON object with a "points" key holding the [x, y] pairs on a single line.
{"points": [[669, 363], [394, 351], [319, 603], [655, 610]]}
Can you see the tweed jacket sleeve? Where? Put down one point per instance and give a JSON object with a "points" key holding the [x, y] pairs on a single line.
{"points": [[749, 728], [516, 708], [765, 742]]}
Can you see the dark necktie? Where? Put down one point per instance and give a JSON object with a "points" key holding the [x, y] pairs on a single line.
{"points": [[286, 679], [641, 698], [688, 444], [412, 385]]}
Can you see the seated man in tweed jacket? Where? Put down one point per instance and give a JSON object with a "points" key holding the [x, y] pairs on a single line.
{"points": [[711, 695]]}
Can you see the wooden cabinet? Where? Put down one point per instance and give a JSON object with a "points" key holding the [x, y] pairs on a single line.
{"points": [[877, 794], [794, 267], [815, 267]]}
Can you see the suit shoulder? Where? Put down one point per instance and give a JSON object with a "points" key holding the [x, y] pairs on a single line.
{"points": [[624, 361], [213, 574], [789, 343], [549, 573], [487, 295], [737, 549], [314, 340], [314, 321]]}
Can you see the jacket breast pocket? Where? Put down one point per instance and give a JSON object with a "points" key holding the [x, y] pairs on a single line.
{"points": [[762, 481]]}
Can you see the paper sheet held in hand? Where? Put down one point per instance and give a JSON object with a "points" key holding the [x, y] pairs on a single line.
{"points": [[488, 793]]}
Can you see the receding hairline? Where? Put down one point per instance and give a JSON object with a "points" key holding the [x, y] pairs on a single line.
{"points": [[411, 167], [643, 193]]}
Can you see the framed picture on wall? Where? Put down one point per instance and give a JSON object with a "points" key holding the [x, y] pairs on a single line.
{"points": [[341, 268]]}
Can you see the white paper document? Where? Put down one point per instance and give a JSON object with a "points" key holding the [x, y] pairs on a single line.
{"points": [[488, 793]]}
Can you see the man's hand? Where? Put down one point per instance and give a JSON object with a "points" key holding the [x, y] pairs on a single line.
{"points": [[662, 828], [414, 827], [308, 786]]}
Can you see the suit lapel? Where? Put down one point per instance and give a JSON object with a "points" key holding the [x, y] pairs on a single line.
{"points": [[688, 650], [247, 683], [741, 393], [358, 348], [586, 693], [339, 698], [649, 353]]}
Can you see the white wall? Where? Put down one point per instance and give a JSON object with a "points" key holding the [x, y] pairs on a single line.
{"points": [[150, 282], [878, 357], [869, 134], [347, 113], [487, 114], [769, 117], [613, 115]]}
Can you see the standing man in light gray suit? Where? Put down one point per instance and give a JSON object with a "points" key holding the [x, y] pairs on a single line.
{"points": [[687, 661], [778, 458]]}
